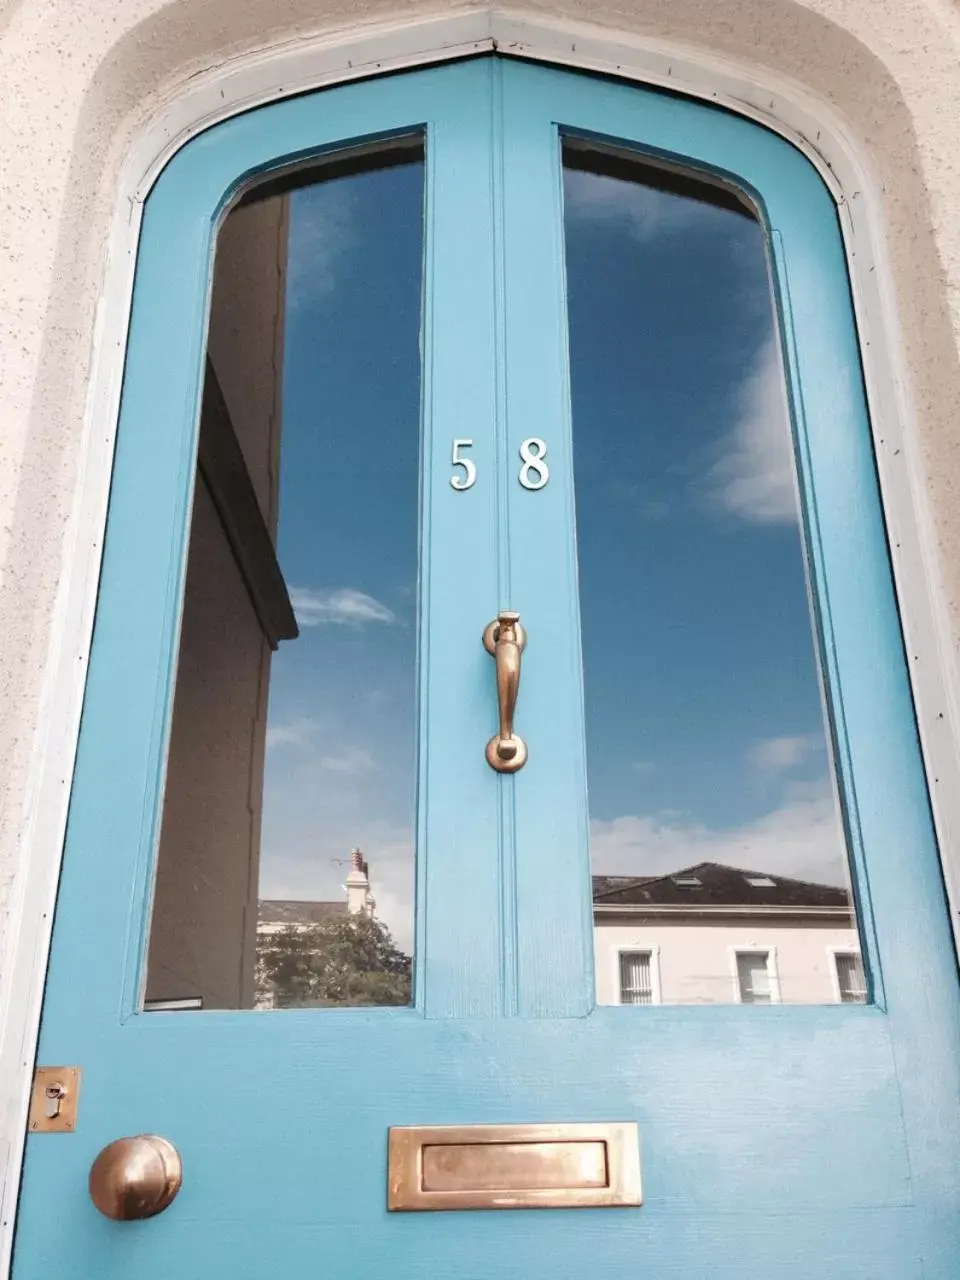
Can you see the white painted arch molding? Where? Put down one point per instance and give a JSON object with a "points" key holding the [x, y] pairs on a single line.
{"points": [[168, 70]]}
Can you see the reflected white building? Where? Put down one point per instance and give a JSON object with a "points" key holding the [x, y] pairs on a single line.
{"points": [[709, 934], [274, 914], [712, 934]]}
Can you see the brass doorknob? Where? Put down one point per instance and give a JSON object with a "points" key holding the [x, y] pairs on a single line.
{"points": [[135, 1177]]}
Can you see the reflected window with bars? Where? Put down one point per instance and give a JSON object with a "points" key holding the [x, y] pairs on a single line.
{"points": [[851, 980], [636, 977], [753, 977]]}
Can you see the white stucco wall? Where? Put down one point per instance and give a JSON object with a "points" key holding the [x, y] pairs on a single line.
{"points": [[80, 82]]}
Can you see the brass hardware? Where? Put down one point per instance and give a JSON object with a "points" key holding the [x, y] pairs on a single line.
{"points": [[53, 1100], [505, 640], [514, 1166], [135, 1177]]}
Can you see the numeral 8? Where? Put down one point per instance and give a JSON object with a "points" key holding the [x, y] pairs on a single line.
{"points": [[533, 453]]}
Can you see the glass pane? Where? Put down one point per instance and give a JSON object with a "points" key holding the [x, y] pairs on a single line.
{"points": [[285, 868], [715, 828]]}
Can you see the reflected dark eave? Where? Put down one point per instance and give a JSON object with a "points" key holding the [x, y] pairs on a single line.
{"points": [[708, 884], [627, 165]]}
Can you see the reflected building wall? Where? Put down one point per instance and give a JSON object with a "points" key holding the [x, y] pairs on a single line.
{"points": [[203, 936], [693, 923]]}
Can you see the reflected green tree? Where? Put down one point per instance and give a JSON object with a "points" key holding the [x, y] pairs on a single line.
{"points": [[346, 960]]}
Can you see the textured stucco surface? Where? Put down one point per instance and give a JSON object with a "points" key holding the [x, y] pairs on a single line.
{"points": [[79, 77]]}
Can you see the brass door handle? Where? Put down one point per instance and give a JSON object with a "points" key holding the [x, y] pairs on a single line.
{"points": [[135, 1177], [505, 639]]}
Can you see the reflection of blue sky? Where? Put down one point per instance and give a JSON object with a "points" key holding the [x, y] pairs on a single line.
{"points": [[340, 744], [705, 735]]}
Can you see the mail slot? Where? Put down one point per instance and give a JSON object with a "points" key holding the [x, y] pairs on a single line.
{"points": [[522, 1166]]}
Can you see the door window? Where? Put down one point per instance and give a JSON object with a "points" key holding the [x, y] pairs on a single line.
{"points": [[292, 759], [713, 812]]}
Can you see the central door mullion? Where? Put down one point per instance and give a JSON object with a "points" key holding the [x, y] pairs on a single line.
{"points": [[462, 823], [554, 953]]}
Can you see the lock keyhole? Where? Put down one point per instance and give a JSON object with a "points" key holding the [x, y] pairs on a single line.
{"points": [[53, 1096], [53, 1102]]}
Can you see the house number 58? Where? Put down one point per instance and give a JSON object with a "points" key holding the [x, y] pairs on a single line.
{"points": [[534, 472]]}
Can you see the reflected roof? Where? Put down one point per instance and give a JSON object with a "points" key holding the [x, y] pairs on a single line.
{"points": [[290, 911], [711, 884]]}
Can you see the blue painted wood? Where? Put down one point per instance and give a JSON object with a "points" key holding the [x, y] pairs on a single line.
{"points": [[897, 876], [795, 1142]]}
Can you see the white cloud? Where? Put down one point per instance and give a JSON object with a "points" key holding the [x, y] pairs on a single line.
{"points": [[345, 607], [293, 733], [301, 733], [352, 761], [754, 476], [323, 231], [802, 838], [771, 757], [646, 212]]}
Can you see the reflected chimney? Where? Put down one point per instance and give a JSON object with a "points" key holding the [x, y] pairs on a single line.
{"points": [[359, 898]]}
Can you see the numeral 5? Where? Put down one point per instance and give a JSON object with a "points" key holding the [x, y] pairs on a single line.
{"points": [[469, 478]]}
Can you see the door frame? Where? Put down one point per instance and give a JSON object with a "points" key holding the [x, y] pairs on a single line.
{"points": [[201, 100]]}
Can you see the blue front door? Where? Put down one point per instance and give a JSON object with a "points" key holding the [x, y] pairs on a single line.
{"points": [[488, 292]]}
